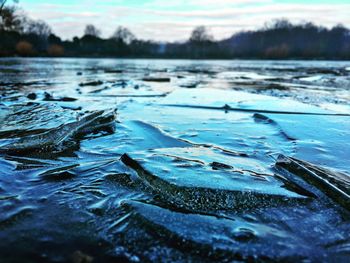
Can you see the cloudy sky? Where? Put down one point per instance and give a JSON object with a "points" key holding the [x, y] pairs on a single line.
{"points": [[173, 20]]}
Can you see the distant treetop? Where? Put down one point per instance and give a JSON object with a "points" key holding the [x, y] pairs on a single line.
{"points": [[91, 30], [124, 35], [200, 34]]}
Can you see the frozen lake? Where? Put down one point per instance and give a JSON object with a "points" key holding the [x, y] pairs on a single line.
{"points": [[155, 160]]}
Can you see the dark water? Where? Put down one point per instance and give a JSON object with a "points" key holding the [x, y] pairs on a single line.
{"points": [[157, 161]]}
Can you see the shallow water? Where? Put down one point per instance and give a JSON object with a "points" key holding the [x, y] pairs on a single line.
{"points": [[173, 160]]}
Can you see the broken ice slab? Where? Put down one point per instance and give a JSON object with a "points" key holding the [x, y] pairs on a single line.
{"points": [[151, 136], [129, 88], [329, 146], [228, 100], [200, 178], [32, 118], [215, 237], [133, 136], [246, 75], [237, 132], [29, 127], [334, 184]]}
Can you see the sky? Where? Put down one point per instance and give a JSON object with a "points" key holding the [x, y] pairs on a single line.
{"points": [[173, 20]]}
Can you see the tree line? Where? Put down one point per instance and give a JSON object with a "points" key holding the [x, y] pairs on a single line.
{"points": [[279, 39]]}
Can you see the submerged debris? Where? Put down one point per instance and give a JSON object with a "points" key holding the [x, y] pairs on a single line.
{"points": [[156, 79], [32, 96], [49, 97], [91, 83], [113, 71]]}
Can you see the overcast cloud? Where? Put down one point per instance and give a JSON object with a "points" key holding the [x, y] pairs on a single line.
{"points": [[173, 20]]}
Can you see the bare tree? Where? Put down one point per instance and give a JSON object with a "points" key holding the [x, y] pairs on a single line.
{"points": [[3, 2], [124, 35], [10, 20], [200, 34], [39, 27], [91, 30]]}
